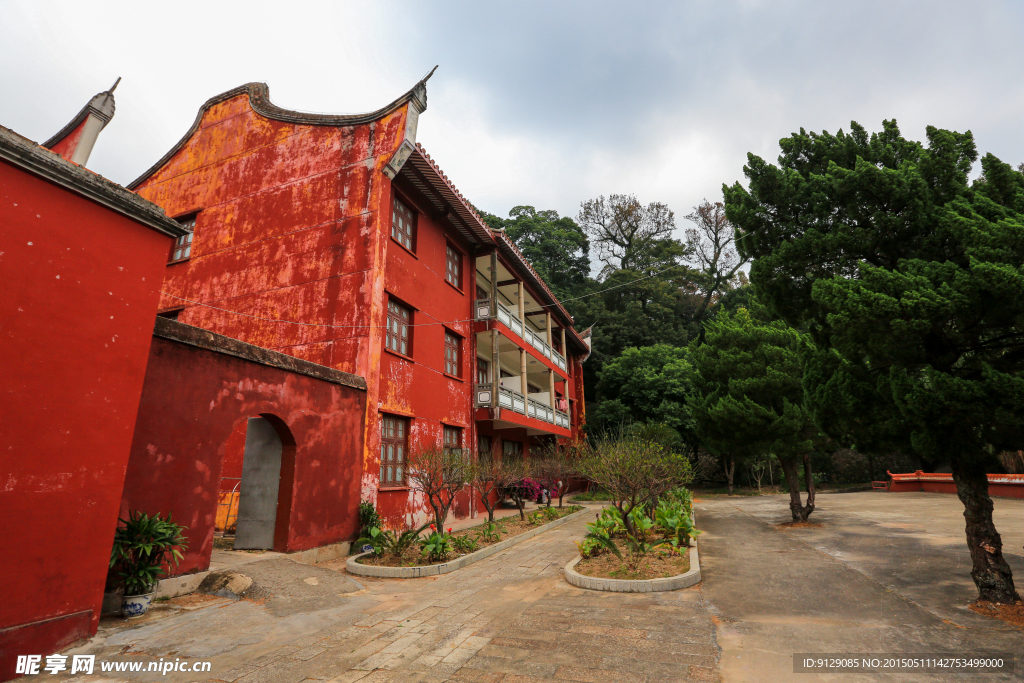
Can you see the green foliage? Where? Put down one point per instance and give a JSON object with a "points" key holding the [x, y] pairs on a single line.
{"points": [[368, 517], [490, 532], [648, 384], [536, 518], [464, 544], [748, 394], [675, 522], [907, 272], [557, 248], [142, 544], [391, 542], [550, 513], [637, 530], [682, 496], [437, 546], [635, 470], [593, 495]]}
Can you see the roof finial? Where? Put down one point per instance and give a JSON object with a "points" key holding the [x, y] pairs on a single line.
{"points": [[114, 87]]}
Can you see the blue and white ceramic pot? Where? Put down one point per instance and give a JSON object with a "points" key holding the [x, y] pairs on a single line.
{"points": [[135, 605]]}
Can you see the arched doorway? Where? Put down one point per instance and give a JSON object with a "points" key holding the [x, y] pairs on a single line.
{"points": [[265, 495]]}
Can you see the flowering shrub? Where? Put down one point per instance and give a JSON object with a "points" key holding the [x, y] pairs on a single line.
{"points": [[438, 545], [521, 491]]}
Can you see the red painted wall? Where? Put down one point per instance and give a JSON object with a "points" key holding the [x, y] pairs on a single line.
{"points": [[76, 317], [1000, 485], [67, 145], [193, 401]]}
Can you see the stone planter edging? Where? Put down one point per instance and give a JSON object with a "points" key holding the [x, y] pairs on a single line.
{"points": [[354, 567], [671, 583]]}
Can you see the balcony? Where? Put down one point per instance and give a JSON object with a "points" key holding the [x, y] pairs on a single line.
{"points": [[517, 403], [504, 315]]}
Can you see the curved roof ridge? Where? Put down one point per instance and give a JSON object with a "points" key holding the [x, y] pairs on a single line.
{"points": [[259, 100]]}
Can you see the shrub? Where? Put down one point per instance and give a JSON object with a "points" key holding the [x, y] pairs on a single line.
{"points": [[391, 542], [141, 546], [490, 532], [368, 517], [437, 546], [464, 544]]}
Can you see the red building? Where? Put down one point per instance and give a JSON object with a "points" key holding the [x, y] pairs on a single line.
{"points": [[82, 261], [337, 240]]}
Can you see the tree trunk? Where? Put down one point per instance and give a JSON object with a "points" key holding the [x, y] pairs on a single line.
{"points": [[871, 466], [809, 479], [793, 481], [730, 470], [991, 573]]}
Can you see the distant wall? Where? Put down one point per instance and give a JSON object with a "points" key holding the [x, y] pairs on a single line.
{"points": [[1002, 485]]}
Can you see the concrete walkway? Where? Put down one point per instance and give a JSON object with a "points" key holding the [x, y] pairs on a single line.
{"points": [[883, 573], [509, 618]]}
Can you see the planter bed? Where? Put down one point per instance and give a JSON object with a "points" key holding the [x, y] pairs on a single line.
{"points": [[378, 568], [671, 583]]}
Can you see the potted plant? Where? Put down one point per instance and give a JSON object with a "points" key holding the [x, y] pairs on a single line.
{"points": [[142, 544]]}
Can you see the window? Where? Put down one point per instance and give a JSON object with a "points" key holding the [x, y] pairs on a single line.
{"points": [[482, 293], [403, 224], [452, 351], [511, 449], [453, 266], [399, 334], [484, 448], [483, 371], [452, 438], [183, 245], [394, 442]]}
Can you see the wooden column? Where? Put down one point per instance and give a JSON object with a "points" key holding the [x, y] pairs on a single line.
{"points": [[547, 328], [522, 305], [522, 373], [551, 383], [495, 370], [564, 354], [494, 284]]}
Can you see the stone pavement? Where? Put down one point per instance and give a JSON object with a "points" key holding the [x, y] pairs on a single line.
{"points": [[883, 573], [509, 618]]}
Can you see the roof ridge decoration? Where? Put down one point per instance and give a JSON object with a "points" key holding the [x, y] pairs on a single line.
{"points": [[33, 158], [259, 100], [92, 119]]}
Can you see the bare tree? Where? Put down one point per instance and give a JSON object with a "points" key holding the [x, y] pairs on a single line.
{"points": [[439, 474], [711, 244], [555, 467], [623, 230], [494, 476]]}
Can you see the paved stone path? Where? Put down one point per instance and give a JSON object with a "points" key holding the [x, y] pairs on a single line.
{"points": [[884, 573], [510, 618]]}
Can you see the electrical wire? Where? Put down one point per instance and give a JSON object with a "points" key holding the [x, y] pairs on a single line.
{"points": [[383, 327]]}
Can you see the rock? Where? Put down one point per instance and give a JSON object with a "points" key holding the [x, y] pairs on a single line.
{"points": [[226, 584]]}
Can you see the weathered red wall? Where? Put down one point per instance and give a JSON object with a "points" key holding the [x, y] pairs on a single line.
{"points": [[418, 386], [194, 399], [294, 225], [76, 317], [67, 145]]}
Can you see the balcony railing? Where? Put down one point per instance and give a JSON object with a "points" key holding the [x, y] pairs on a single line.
{"points": [[512, 321], [517, 403]]}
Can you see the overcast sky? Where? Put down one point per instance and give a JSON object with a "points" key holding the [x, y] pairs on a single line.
{"points": [[539, 103]]}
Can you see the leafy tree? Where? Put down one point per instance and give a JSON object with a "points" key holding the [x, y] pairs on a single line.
{"points": [[748, 398], [913, 276], [557, 248], [649, 384]]}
